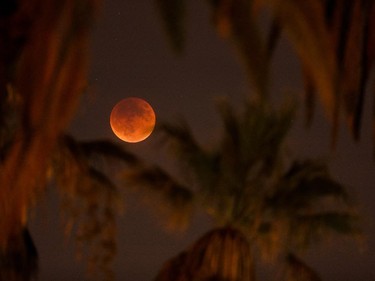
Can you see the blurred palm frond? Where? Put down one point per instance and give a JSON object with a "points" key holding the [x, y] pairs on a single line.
{"points": [[176, 199], [172, 13], [304, 183], [244, 182], [235, 20], [43, 61], [90, 198], [334, 41], [297, 270], [312, 228], [306, 206]]}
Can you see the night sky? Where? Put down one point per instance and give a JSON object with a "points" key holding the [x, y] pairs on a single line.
{"points": [[131, 57]]}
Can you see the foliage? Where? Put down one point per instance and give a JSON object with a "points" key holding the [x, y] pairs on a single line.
{"points": [[259, 203], [246, 184], [173, 16], [83, 172], [221, 254], [296, 270], [334, 41], [43, 64], [43, 73], [167, 193]]}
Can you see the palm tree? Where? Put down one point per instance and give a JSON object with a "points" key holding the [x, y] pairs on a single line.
{"points": [[85, 174], [43, 67], [264, 205], [43, 64]]}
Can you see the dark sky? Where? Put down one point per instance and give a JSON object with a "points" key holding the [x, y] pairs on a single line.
{"points": [[131, 57]]}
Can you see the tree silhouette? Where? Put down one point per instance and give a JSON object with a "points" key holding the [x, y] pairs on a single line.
{"points": [[259, 200], [265, 206], [84, 172], [43, 64], [334, 41]]}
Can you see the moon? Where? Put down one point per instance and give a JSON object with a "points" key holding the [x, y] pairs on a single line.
{"points": [[132, 119]]}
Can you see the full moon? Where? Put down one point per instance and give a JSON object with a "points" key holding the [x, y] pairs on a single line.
{"points": [[132, 119]]}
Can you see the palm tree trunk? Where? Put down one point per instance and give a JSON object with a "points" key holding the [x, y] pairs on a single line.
{"points": [[222, 254]]}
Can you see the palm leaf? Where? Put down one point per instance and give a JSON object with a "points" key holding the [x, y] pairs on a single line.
{"points": [[334, 41], [297, 270], [305, 24], [367, 59], [191, 155], [177, 200], [298, 210], [89, 200], [230, 155], [48, 76], [271, 238], [172, 13], [156, 179], [108, 150], [370, 57], [249, 189], [303, 21], [352, 66], [311, 228], [235, 19], [263, 133], [256, 134], [310, 97], [273, 36], [231, 126], [303, 185]]}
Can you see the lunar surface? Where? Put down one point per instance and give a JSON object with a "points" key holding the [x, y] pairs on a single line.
{"points": [[132, 119]]}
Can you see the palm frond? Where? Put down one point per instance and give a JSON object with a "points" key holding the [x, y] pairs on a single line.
{"points": [[102, 179], [271, 238], [109, 150], [172, 13], [89, 201], [370, 54], [304, 184], [305, 207], [309, 98], [176, 199], [193, 159], [334, 42], [273, 37], [353, 56], [255, 134], [48, 73], [181, 138], [297, 270], [263, 133], [231, 126], [235, 19], [311, 228], [305, 25]]}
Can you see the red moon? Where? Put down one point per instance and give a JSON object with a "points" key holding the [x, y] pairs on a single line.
{"points": [[132, 120]]}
